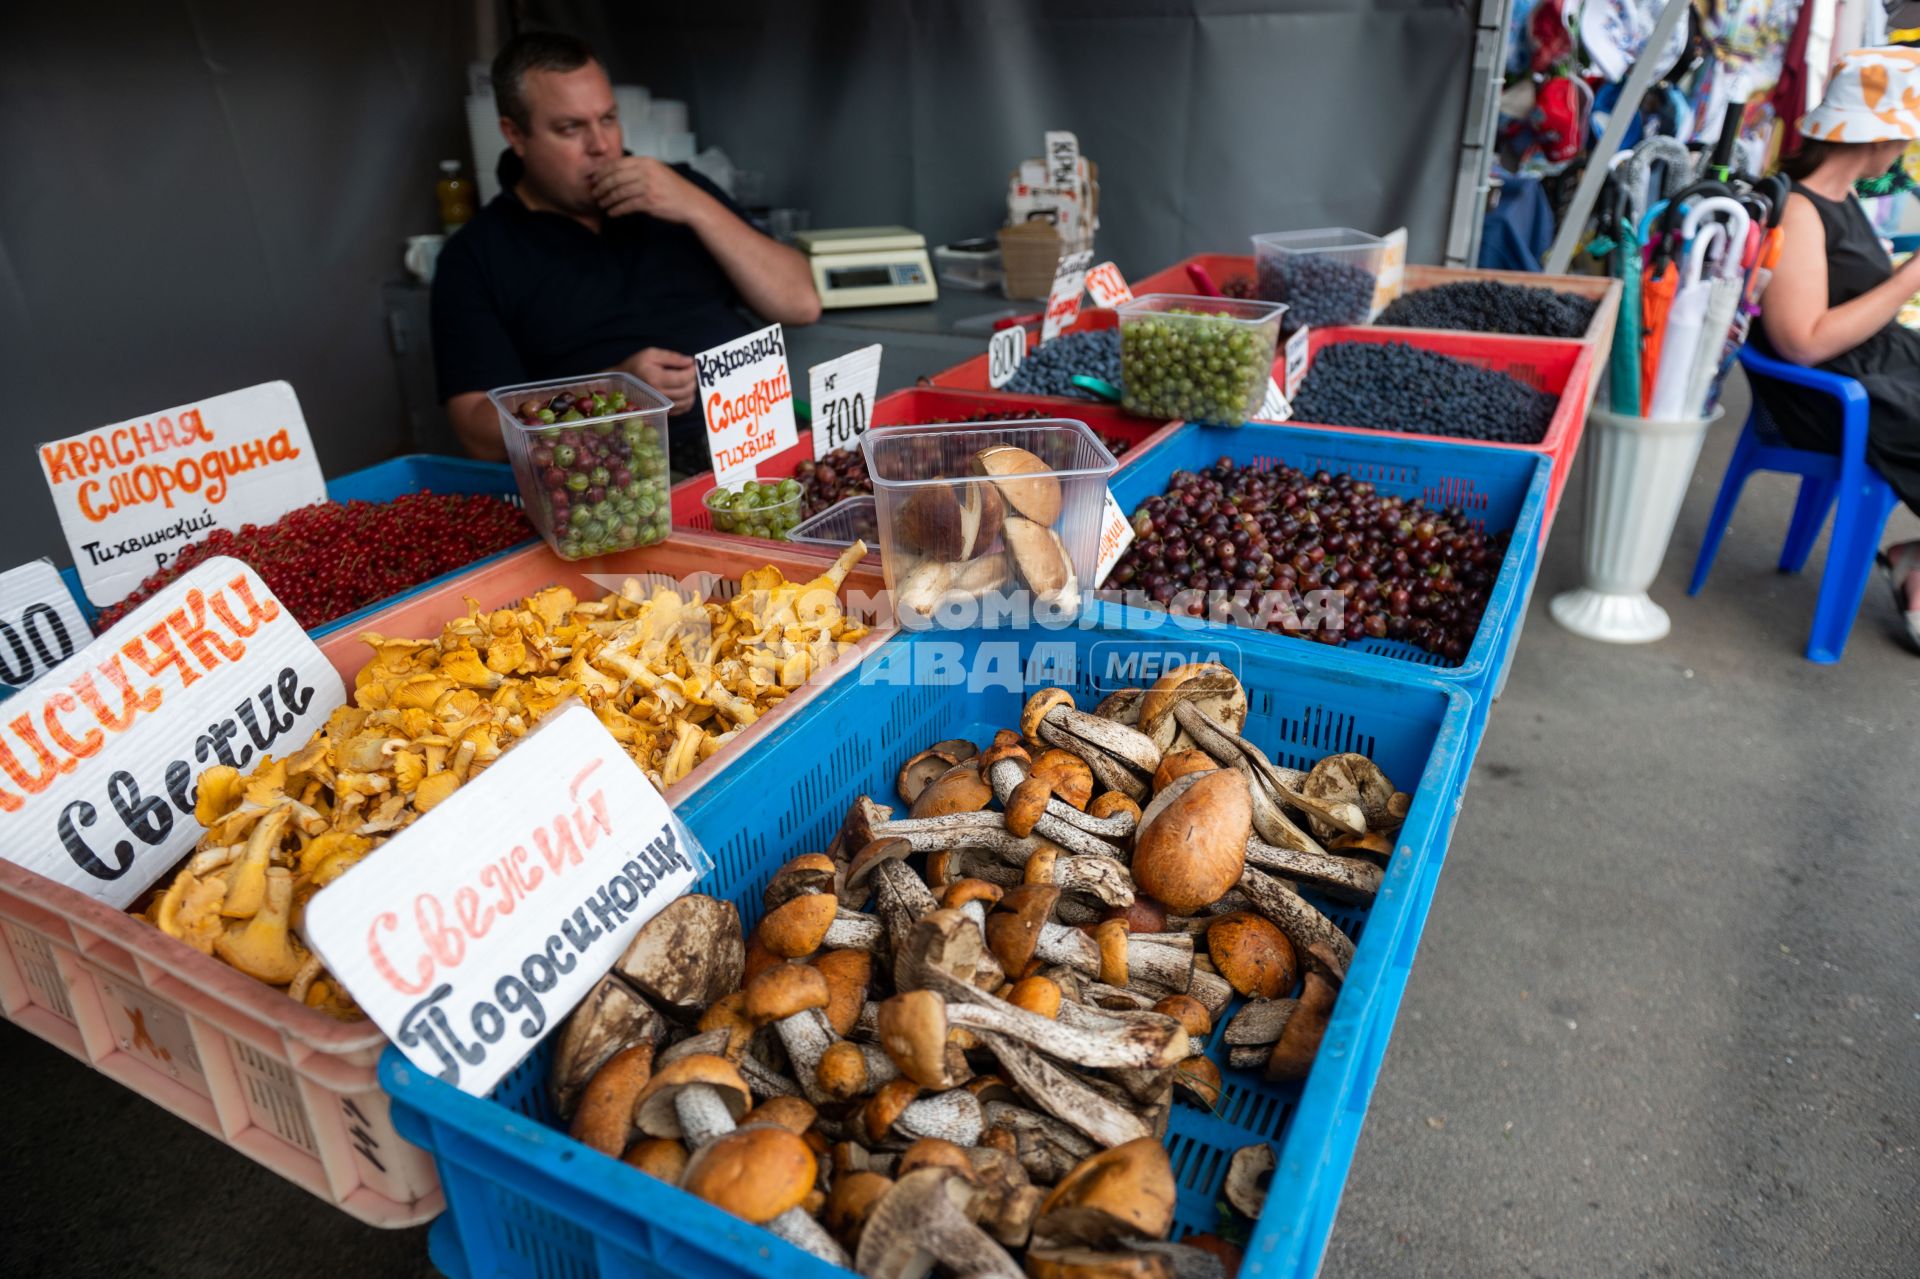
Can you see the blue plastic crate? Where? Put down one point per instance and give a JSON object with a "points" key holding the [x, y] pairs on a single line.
{"points": [[1504, 490], [524, 1199], [396, 477]]}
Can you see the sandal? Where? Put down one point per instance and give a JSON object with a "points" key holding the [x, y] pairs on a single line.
{"points": [[1905, 561]]}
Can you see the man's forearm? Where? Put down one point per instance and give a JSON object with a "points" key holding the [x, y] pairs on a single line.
{"points": [[774, 279]]}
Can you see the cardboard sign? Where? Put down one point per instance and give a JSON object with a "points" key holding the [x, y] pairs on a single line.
{"points": [[748, 398], [471, 934], [98, 758], [1393, 272], [842, 391], [132, 496], [1063, 302], [40, 625], [1116, 535], [1004, 355], [1108, 286], [1275, 407], [1298, 347], [1062, 158]]}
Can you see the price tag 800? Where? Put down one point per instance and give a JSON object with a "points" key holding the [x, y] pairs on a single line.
{"points": [[1004, 354]]}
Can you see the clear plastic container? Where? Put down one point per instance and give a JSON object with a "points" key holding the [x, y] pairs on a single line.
{"points": [[850, 520], [1197, 359], [1006, 511], [599, 482], [973, 265], [1326, 276], [772, 519]]}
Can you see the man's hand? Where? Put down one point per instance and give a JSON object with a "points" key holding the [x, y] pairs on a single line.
{"points": [[667, 372], [642, 184]]}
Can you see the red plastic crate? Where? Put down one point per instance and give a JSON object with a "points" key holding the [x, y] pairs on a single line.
{"points": [[1562, 368], [1221, 266], [924, 404]]}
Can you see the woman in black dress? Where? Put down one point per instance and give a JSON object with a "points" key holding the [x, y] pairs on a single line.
{"points": [[1835, 293]]}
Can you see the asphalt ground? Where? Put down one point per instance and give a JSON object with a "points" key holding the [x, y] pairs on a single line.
{"points": [[1663, 1020]]}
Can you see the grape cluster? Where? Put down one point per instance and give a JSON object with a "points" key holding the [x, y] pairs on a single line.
{"points": [[1490, 306], [1406, 572], [1318, 288], [1390, 386], [1195, 366], [1049, 369], [599, 473], [764, 509]]}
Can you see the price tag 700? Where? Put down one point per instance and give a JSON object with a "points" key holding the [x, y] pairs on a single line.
{"points": [[842, 391]]}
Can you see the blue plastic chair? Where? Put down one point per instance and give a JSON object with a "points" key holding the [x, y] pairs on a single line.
{"points": [[1844, 479]]}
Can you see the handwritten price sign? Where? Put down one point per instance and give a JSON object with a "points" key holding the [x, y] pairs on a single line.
{"points": [[131, 496], [1116, 535], [748, 397], [1108, 286], [472, 933], [1063, 301], [99, 757], [842, 391], [40, 625], [1005, 353]]}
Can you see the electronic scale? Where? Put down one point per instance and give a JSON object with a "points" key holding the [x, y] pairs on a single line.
{"points": [[868, 265]]}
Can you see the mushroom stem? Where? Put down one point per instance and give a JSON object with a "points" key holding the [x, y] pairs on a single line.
{"points": [[1129, 746], [1065, 1096], [1115, 1044], [1260, 1021], [1269, 786], [983, 830], [1006, 775], [1069, 947], [954, 1115], [852, 930], [1112, 773], [1294, 916], [901, 899], [803, 1232], [919, 1226], [1158, 960], [703, 1115], [1349, 879], [806, 1036], [1046, 1148], [1101, 877]]}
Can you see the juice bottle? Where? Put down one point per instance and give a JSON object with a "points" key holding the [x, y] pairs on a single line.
{"points": [[456, 197]]}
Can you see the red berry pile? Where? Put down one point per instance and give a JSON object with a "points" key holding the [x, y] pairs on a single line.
{"points": [[1408, 572], [326, 560]]}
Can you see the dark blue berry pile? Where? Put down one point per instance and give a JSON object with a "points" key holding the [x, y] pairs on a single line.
{"points": [[1390, 386], [1049, 370], [1317, 288], [1489, 306]]}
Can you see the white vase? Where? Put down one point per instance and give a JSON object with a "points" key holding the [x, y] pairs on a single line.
{"points": [[1638, 470]]}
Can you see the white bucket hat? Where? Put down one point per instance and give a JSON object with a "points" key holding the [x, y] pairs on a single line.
{"points": [[1874, 96]]}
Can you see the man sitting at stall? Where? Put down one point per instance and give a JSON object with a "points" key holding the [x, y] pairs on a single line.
{"points": [[591, 259]]}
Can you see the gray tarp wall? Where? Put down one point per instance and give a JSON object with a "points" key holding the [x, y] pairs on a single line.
{"points": [[200, 195]]}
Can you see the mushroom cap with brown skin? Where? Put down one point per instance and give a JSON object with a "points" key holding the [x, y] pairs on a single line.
{"points": [[1013, 931], [1027, 483], [1113, 804], [1177, 764], [913, 1030], [848, 974], [604, 1119], [935, 1152], [885, 1107], [1027, 805], [1190, 1013], [1146, 915], [919, 772], [842, 1073], [960, 789], [795, 1114], [1122, 706], [1039, 557], [1293, 1054], [1194, 848], [611, 1017], [784, 990], [1036, 994], [851, 1202], [1038, 707], [871, 854], [950, 522], [654, 1112], [962, 891], [1255, 957], [795, 929], [660, 1157], [1199, 1078], [686, 956], [754, 1173], [807, 873], [1067, 775], [1091, 1263], [758, 958], [1111, 936], [1209, 686], [1114, 1195], [1006, 745], [1039, 867]]}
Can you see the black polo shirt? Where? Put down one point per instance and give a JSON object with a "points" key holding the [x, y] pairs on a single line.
{"points": [[521, 295]]}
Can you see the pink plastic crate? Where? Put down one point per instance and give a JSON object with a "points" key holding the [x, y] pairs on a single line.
{"points": [[285, 1085]]}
